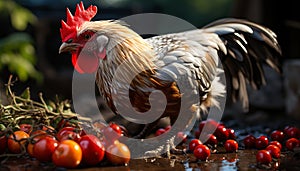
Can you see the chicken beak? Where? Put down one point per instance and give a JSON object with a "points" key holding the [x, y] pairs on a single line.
{"points": [[68, 47]]}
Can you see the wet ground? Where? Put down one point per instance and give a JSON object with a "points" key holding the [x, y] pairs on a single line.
{"points": [[242, 160]]}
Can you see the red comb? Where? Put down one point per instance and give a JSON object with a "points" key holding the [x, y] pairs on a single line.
{"points": [[69, 29]]}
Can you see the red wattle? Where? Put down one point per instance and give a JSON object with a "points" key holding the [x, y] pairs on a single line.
{"points": [[85, 63]]}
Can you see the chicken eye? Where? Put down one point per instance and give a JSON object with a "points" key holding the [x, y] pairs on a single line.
{"points": [[69, 40], [87, 37]]}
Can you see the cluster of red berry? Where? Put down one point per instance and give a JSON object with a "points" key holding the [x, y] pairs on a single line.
{"points": [[287, 139], [215, 134]]}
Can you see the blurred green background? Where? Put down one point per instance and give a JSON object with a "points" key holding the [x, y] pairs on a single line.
{"points": [[29, 34]]}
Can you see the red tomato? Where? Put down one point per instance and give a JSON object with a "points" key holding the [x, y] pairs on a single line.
{"points": [[35, 136], [263, 157], [231, 146], [118, 153], [231, 134], [111, 133], [67, 154], [261, 142], [212, 140], [167, 128], [292, 143], [293, 132], [202, 152], [17, 141], [3, 144], [66, 133], [26, 128], [276, 143], [249, 141], [116, 127], [63, 123], [44, 148], [221, 133], [277, 136], [194, 143], [160, 131], [92, 149], [274, 151]]}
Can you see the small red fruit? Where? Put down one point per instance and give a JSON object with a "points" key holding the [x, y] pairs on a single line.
{"points": [[263, 157], [66, 133], [277, 136], [67, 154], [231, 134], [92, 149], [116, 127], [231, 146], [221, 133], [278, 144], [212, 140], [292, 143], [111, 133], [274, 151], [261, 142], [17, 141], [202, 152], [44, 148], [118, 153], [160, 131], [293, 132], [249, 141], [167, 128], [194, 143]]}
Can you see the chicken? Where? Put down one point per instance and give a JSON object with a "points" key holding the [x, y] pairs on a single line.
{"points": [[168, 69]]}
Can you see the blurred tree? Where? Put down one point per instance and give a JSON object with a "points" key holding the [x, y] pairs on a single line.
{"points": [[17, 52]]}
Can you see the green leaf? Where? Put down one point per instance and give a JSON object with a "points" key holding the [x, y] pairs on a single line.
{"points": [[21, 17], [26, 94]]}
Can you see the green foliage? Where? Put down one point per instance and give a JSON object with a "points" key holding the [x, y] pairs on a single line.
{"points": [[17, 52]]}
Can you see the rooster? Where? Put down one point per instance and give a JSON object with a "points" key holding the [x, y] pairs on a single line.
{"points": [[162, 61]]}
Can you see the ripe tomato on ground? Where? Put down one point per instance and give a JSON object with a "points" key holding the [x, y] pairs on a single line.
{"points": [[231, 146], [111, 134], [92, 149], [292, 143], [263, 157], [44, 148], [68, 133], [261, 142], [34, 137], [274, 151], [278, 144], [194, 143], [17, 141], [277, 135], [67, 154], [118, 153], [249, 141], [202, 152]]}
